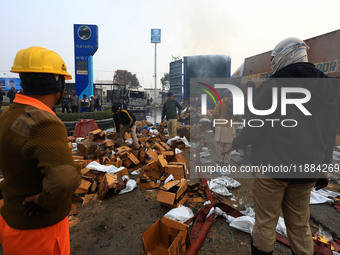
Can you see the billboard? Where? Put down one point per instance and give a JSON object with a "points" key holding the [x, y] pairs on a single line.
{"points": [[85, 46], [7, 83]]}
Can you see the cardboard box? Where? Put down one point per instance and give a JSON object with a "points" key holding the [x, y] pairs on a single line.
{"points": [[83, 187], [165, 237], [152, 170], [177, 169], [174, 193], [162, 160], [146, 183]]}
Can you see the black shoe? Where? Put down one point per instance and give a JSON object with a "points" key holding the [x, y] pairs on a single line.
{"points": [[255, 251]]}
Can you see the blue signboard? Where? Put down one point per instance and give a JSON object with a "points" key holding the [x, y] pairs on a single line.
{"points": [[85, 46], [7, 83], [155, 35]]}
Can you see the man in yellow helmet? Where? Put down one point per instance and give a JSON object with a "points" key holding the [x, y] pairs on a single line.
{"points": [[40, 174]]}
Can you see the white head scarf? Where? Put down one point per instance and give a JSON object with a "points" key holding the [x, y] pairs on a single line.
{"points": [[290, 50]]}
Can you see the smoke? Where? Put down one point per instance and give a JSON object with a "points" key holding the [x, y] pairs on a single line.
{"points": [[205, 27]]}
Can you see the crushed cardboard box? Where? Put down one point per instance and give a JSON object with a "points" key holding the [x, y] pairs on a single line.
{"points": [[165, 237], [173, 193]]}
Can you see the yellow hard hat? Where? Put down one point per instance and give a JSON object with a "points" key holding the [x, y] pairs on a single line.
{"points": [[39, 60]]}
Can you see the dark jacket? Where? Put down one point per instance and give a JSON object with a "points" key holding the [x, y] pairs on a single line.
{"points": [[37, 140], [169, 109], [312, 140], [11, 95], [2, 93], [124, 117]]}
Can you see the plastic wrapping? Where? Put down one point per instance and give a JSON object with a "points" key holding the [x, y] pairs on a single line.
{"points": [[181, 214]]}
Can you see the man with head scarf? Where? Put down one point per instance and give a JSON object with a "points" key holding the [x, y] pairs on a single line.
{"points": [[308, 143], [224, 133]]}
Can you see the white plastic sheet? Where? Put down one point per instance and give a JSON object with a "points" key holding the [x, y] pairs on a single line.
{"points": [[184, 140], [136, 172], [177, 151], [181, 214], [323, 196], [220, 185], [129, 141], [107, 169], [243, 223], [336, 156], [130, 186], [170, 178]]}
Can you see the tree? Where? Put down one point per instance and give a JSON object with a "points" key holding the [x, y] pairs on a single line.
{"points": [[125, 78], [165, 80]]}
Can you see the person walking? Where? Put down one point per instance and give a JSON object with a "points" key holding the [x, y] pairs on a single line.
{"points": [[2, 93], [11, 95], [98, 103], [65, 103], [84, 104], [74, 102], [128, 120], [92, 103], [224, 133], [308, 143], [39, 183], [170, 108]]}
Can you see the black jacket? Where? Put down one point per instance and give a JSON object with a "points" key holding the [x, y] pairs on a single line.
{"points": [[124, 117], [2, 93], [312, 140]]}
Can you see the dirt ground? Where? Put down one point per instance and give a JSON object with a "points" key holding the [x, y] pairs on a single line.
{"points": [[115, 224]]}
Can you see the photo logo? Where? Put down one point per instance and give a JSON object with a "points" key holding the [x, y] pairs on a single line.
{"points": [[238, 103]]}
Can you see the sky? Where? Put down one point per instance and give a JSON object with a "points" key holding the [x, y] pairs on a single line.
{"points": [[239, 29]]}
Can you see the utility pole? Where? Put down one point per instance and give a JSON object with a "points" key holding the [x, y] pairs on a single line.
{"points": [[155, 94], [155, 38]]}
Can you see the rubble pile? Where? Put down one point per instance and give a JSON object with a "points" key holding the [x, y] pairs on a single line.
{"points": [[107, 161]]}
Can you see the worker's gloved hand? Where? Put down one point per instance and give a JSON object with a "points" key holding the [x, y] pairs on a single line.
{"points": [[322, 182], [31, 209]]}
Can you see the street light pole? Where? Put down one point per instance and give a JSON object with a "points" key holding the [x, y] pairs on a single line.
{"points": [[155, 94]]}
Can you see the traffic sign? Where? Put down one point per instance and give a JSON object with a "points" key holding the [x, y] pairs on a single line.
{"points": [[155, 35]]}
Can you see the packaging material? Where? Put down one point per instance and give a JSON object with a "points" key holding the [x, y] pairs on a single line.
{"points": [[177, 151], [165, 237], [147, 183], [170, 178], [323, 237], [177, 169], [107, 169], [184, 140], [317, 197], [174, 193], [336, 156], [130, 185], [220, 185], [243, 223], [110, 181], [181, 214], [281, 226]]}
